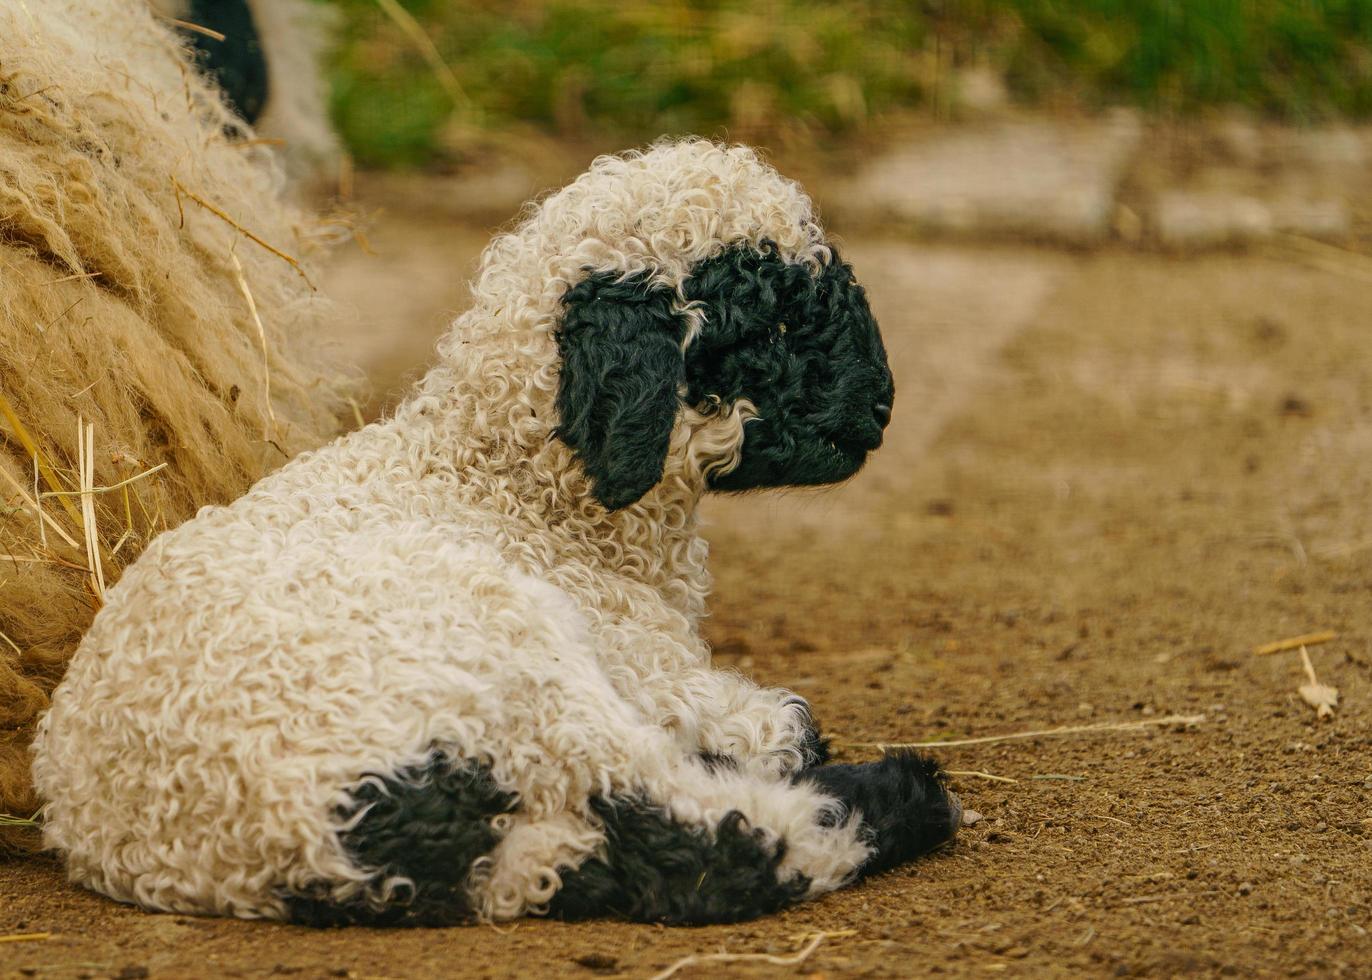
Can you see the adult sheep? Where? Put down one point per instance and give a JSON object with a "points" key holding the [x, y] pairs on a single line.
{"points": [[265, 55], [131, 300], [449, 666]]}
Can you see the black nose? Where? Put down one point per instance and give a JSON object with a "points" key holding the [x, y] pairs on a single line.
{"points": [[883, 414]]}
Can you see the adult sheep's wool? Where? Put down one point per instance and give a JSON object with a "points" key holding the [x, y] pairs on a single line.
{"points": [[450, 666], [138, 298]]}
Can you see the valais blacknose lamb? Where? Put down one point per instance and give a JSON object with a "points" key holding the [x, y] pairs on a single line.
{"points": [[449, 667]]}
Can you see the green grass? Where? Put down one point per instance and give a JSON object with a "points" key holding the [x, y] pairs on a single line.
{"points": [[780, 68]]}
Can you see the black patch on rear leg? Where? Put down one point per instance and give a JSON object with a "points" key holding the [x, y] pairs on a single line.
{"points": [[655, 869], [429, 824], [905, 810]]}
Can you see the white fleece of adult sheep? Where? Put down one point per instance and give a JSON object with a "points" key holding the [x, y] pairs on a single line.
{"points": [[442, 577]]}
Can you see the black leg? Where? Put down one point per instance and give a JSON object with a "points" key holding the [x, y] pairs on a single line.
{"points": [[427, 824], [905, 810]]}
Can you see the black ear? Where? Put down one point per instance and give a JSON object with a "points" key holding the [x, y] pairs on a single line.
{"points": [[617, 396]]}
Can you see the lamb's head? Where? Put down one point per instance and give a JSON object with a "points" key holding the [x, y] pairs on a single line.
{"points": [[703, 327]]}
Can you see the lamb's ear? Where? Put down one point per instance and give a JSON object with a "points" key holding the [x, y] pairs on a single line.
{"points": [[620, 341]]}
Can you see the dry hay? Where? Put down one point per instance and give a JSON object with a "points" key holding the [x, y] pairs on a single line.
{"points": [[142, 323]]}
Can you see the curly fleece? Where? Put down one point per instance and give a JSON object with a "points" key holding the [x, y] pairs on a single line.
{"points": [[447, 584]]}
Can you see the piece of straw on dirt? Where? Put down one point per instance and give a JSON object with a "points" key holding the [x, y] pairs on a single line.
{"points": [[1296, 642], [1324, 698], [978, 774], [25, 937], [696, 959], [1122, 726], [8, 820]]}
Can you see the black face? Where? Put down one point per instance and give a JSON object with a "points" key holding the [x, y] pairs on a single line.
{"points": [[803, 347], [806, 351]]}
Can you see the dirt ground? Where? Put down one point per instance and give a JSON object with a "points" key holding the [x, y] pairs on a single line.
{"points": [[1108, 478]]}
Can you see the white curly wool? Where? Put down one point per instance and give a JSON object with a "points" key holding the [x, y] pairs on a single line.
{"points": [[443, 577]]}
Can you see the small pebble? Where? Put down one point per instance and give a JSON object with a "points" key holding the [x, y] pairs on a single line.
{"points": [[1246, 888], [597, 962]]}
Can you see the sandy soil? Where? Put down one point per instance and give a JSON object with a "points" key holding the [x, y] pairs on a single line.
{"points": [[1109, 477]]}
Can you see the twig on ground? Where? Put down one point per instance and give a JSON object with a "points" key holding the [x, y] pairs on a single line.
{"points": [[978, 774], [1295, 642], [24, 937], [1122, 726], [695, 959], [1324, 698]]}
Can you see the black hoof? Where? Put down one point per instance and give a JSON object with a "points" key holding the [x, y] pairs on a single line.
{"points": [[905, 810]]}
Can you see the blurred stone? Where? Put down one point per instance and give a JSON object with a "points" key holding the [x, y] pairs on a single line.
{"points": [[1327, 147], [1192, 219], [1198, 219], [1327, 218], [1041, 179], [981, 90], [1240, 139]]}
